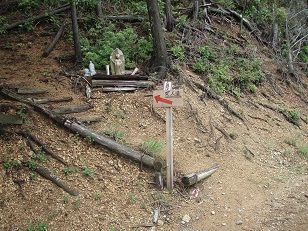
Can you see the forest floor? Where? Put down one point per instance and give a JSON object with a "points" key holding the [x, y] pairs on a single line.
{"points": [[261, 184]]}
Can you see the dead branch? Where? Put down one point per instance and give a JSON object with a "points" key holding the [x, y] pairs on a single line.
{"points": [[44, 172], [54, 41], [31, 137], [30, 91], [38, 17]]}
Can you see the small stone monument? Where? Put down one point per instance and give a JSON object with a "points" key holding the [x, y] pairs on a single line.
{"points": [[117, 62]]}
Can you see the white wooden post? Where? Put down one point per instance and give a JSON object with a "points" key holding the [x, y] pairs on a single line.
{"points": [[169, 148]]}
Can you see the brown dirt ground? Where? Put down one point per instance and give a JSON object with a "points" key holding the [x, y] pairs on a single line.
{"points": [[261, 183]]}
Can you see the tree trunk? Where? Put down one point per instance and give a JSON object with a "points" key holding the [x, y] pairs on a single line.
{"points": [[159, 44], [99, 10], [196, 9], [275, 35], [170, 21], [72, 109], [54, 41], [77, 47]]}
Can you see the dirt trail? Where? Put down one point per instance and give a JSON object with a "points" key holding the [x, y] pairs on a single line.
{"points": [[261, 184]]}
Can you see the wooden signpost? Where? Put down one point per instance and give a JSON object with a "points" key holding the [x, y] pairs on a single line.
{"points": [[168, 98]]}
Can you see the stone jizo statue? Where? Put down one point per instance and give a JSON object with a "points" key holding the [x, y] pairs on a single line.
{"points": [[117, 62]]}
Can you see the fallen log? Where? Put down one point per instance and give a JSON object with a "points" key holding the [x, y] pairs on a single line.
{"points": [[44, 172], [51, 100], [122, 83], [89, 119], [72, 109], [30, 137], [119, 77], [54, 41], [125, 18], [113, 145], [83, 131], [30, 91], [38, 17], [194, 178]]}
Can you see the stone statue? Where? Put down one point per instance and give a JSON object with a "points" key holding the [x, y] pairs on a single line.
{"points": [[117, 62]]}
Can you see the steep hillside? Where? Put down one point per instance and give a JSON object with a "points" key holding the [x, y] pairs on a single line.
{"points": [[261, 149]]}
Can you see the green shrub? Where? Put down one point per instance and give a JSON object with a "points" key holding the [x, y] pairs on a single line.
{"points": [[303, 55], [136, 49], [177, 52], [114, 134], [220, 80], [69, 170], [9, 165], [200, 66], [206, 53], [293, 116], [87, 171], [31, 164], [303, 151], [41, 226], [152, 147]]}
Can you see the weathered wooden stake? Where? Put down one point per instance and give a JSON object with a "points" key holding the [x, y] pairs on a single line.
{"points": [[169, 148]]}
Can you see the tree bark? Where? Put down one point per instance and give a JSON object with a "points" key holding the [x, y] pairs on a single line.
{"points": [[195, 11], [44, 172], [78, 54], [54, 41], [194, 178], [170, 21], [99, 10], [159, 44]]}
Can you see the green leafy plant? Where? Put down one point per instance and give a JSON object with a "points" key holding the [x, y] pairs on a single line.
{"points": [[136, 49], [31, 164], [200, 66], [132, 199], [89, 139], [182, 21], [86, 171], [69, 170], [3, 25], [303, 150], [96, 196], [293, 116], [40, 226], [9, 165], [114, 133], [152, 147], [41, 156], [177, 52], [303, 55], [220, 80], [22, 113]]}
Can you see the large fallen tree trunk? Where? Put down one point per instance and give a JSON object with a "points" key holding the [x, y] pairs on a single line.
{"points": [[38, 17], [51, 100], [193, 178], [54, 41], [113, 145], [83, 131]]}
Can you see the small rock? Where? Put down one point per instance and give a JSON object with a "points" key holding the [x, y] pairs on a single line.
{"points": [[223, 193], [186, 219], [197, 140], [239, 222], [223, 224], [160, 223], [213, 212]]}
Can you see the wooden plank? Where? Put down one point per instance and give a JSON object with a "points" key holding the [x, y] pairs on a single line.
{"points": [[10, 119], [119, 77], [122, 83], [51, 100], [72, 109], [33, 91]]}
